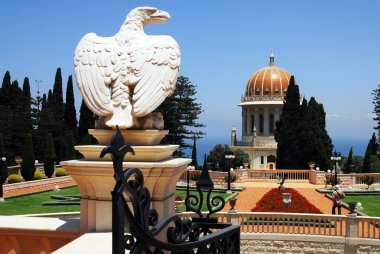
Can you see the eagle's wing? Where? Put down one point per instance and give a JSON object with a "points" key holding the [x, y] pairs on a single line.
{"points": [[155, 64], [96, 63]]}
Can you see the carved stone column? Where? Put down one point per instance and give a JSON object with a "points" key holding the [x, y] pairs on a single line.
{"points": [[266, 122], [248, 122]]}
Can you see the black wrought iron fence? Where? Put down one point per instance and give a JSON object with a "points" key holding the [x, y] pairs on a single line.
{"points": [[198, 235]]}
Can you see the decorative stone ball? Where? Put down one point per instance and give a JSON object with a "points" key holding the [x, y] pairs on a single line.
{"points": [[359, 206], [329, 171], [56, 188]]}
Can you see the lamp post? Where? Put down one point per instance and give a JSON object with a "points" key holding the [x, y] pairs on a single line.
{"points": [[230, 157], [38, 94], [188, 182], [336, 157]]}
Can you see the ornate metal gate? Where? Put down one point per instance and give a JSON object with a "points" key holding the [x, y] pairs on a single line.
{"points": [[199, 235]]}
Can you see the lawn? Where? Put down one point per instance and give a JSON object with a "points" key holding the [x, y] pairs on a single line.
{"points": [[204, 207], [31, 204], [371, 203]]}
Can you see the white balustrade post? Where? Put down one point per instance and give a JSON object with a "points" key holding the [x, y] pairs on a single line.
{"points": [[233, 217], [352, 226]]}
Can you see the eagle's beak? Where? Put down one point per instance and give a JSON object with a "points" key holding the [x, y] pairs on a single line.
{"points": [[158, 17]]}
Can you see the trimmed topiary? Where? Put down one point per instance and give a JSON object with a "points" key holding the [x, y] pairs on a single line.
{"points": [[69, 147], [3, 166], [27, 166], [195, 175], [49, 156], [233, 178], [14, 178], [60, 172], [38, 175]]}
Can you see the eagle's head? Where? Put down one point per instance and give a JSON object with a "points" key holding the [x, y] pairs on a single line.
{"points": [[147, 15]]}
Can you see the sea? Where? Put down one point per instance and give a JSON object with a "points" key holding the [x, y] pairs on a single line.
{"points": [[342, 145]]}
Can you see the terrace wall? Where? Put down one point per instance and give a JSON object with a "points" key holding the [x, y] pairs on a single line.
{"points": [[312, 176]]}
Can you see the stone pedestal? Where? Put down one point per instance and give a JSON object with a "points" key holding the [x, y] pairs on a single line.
{"points": [[95, 180]]}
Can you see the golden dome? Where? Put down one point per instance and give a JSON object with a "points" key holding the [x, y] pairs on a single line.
{"points": [[271, 81]]}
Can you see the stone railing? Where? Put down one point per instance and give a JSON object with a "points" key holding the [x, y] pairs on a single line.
{"points": [[312, 176], [356, 180], [274, 175], [299, 223]]}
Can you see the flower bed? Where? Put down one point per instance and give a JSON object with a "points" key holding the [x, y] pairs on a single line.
{"points": [[272, 202]]}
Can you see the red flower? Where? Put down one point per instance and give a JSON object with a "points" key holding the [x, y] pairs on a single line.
{"points": [[272, 202]]}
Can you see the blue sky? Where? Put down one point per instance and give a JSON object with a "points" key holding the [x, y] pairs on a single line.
{"points": [[332, 48]]}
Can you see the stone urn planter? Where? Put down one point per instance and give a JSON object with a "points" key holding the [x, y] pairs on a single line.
{"points": [[286, 199], [178, 204]]}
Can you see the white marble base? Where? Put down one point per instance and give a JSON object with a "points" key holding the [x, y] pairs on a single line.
{"points": [[142, 153], [94, 243], [95, 180], [131, 137]]}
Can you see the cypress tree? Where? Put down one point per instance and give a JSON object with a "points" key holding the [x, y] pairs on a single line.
{"points": [[376, 109], [367, 159], [27, 100], [318, 146], [285, 133], [70, 112], [4, 107], [70, 151], [86, 121], [58, 117], [374, 145], [194, 160], [58, 96], [27, 166], [3, 166], [49, 156], [347, 168], [16, 120], [6, 81]]}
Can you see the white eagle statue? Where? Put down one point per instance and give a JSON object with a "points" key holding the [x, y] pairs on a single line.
{"points": [[127, 76]]}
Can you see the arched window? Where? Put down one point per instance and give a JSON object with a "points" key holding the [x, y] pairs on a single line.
{"points": [[252, 123], [271, 123], [271, 159], [261, 123]]}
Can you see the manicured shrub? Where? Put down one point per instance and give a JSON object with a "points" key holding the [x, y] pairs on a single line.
{"points": [[3, 166], [14, 178], [38, 175], [272, 202], [179, 197], [49, 156], [195, 174], [368, 181], [60, 172], [330, 180], [27, 166], [233, 178]]}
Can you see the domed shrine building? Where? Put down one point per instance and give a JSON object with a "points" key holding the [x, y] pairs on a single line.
{"points": [[261, 105]]}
